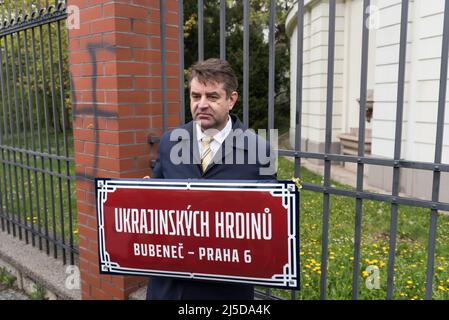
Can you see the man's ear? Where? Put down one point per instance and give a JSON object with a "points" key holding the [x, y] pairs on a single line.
{"points": [[233, 99]]}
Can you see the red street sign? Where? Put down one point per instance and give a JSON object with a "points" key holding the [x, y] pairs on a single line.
{"points": [[239, 231]]}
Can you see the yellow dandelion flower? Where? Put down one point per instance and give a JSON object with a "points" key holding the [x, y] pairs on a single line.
{"points": [[331, 257], [375, 261], [382, 264], [441, 288], [440, 268], [301, 253], [375, 245], [413, 266], [409, 282], [402, 294], [365, 274]]}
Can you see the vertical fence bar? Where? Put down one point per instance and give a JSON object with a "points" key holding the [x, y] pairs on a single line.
{"points": [[47, 136], [246, 62], [11, 141], [361, 151], [438, 153], [39, 130], [397, 148], [327, 147], [299, 75], [271, 70], [56, 136], [33, 147], [2, 212], [164, 65], [66, 154], [16, 143], [272, 57], [25, 138], [64, 133], [298, 111], [2, 141], [222, 29], [200, 30], [181, 61]]}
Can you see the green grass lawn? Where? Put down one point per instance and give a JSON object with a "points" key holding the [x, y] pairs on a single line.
{"points": [[411, 249], [40, 201]]}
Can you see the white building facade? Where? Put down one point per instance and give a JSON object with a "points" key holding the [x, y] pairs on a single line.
{"points": [[424, 41]]}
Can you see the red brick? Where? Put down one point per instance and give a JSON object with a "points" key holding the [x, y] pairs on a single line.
{"points": [[134, 123], [147, 55], [87, 232], [97, 149], [90, 39], [171, 6], [86, 209], [117, 292], [111, 24], [92, 13], [127, 164], [88, 221], [132, 97], [132, 40], [84, 30], [126, 138], [100, 294], [142, 137], [83, 134], [80, 195], [134, 150]]}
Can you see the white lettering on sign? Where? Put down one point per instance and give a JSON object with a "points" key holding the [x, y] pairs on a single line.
{"points": [[163, 222], [241, 225], [195, 223], [159, 250], [218, 254]]}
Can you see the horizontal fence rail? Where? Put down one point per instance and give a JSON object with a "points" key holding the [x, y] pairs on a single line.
{"points": [[36, 145]]}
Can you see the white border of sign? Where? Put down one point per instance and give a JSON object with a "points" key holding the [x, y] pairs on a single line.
{"points": [[288, 279]]}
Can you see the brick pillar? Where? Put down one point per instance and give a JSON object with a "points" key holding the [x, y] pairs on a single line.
{"points": [[115, 66]]}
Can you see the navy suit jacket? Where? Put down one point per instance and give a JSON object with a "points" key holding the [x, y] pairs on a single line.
{"points": [[183, 144]]}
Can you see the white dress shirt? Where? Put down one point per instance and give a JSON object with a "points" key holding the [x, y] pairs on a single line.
{"points": [[218, 138]]}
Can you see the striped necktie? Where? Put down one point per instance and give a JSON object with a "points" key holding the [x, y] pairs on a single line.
{"points": [[206, 157]]}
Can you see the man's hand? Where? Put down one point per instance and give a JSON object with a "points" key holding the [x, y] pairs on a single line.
{"points": [[146, 177]]}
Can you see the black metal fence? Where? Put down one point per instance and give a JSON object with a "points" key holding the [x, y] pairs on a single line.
{"points": [[36, 171], [326, 189]]}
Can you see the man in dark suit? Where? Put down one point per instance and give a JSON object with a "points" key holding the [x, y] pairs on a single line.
{"points": [[215, 145]]}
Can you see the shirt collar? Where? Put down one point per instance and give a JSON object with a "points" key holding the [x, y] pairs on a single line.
{"points": [[220, 136]]}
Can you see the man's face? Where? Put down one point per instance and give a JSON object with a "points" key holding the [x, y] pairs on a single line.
{"points": [[209, 104]]}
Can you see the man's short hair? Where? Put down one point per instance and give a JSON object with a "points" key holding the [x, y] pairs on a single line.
{"points": [[214, 70]]}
